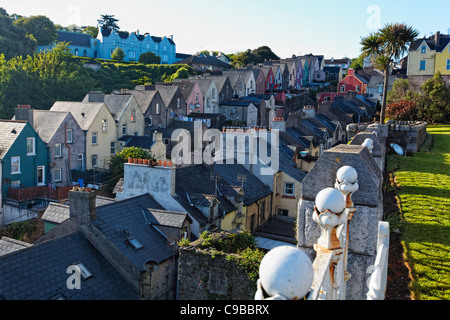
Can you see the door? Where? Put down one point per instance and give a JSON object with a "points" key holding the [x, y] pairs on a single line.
{"points": [[40, 175]]}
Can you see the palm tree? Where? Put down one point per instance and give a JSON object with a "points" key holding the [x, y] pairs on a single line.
{"points": [[383, 47]]}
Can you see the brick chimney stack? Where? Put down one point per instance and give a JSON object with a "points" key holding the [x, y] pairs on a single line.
{"points": [[82, 204], [437, 38]]}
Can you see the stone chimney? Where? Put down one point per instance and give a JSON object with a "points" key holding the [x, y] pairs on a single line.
{"points": [[279, 123], [437, 37], [24, 112], [157, 136], [82, 205], [96, 96], [308, 112]]}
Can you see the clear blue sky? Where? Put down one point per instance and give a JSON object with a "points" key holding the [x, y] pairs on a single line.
{"points": [[328, 27]]}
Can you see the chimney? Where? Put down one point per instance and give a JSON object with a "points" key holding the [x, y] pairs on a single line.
{"points": [[437, 38], [157, 136], [96, 96], [24, 112], [309, 112], [82, 205]]}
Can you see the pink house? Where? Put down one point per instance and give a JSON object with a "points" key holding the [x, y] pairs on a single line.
{"points": [[192, 94]]}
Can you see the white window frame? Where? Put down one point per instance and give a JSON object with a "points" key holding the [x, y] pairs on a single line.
{"points": [[69, 135], [58, 150], [124, 129], [33, 145], [158, 109], [113, 147], [42, 183], [14, 165], [286, 189], [56, 172], [94, 163], [94, 137]]}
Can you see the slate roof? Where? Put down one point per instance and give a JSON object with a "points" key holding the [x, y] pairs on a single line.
{"points": [[40, 272], [167, 92], [254, 189], [59, 212], [83, 112], [8, 245], [125, 219], [205, 60], [203, 84], [75, 39], [431, 42], [116, 103], [46, 123], [237, 103], [144, 98], [143, 142], [9, 131], [193, 180], [167, 218]]}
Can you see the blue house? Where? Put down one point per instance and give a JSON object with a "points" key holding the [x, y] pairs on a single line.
{"points": [[23, 157], [133, 45]]}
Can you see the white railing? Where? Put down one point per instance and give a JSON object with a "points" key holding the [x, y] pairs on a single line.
{"points": [[377, 281], [290, 274]]}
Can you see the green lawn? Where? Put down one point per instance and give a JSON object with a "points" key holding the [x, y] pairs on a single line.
{"points": [[424, 194]]}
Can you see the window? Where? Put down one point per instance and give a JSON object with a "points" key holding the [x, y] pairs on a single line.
{"points": [[196, 97], [133, 116], [58, 150], [422, 65], [40, 175], [357, 88], [213, 93], [15, 184], [15, 165], [148, 45], [124, 43], [132, 54], [283, 212], [448, 64], [156, 47], [380, 89], [85, 274], [289, 188], [164, 48], [76, 52], [124, 129], [158, 109], [343, 88], [424, 49], [94, 137], [31, 146], [94, 159], [150, 121], [113, 147], [114, 43], [58, 174], [178, 103], [165, 58], [104, 125], [69, 135], [132, 44]]}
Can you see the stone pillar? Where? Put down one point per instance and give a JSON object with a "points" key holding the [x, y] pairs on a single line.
{"points": [[368, 202]]}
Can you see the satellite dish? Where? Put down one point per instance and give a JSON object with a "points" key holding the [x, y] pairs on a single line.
{"points": [[397, 149], [151, 265]]}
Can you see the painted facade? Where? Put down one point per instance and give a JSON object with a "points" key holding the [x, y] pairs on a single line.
{"points": [[192, 95], [99, 128], [23, 155], [354, 83]]}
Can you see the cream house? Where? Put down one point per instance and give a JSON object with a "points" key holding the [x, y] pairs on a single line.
{"points": [[99, 128], [125, 111]]}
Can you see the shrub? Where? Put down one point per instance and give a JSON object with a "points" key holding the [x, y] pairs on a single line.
{"points": [[402, 110]]}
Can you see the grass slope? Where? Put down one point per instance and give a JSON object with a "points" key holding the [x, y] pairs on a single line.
{"points": [[424, 194]]}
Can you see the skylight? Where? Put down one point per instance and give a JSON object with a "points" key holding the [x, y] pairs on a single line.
{"points": [[136, 245], [85, 274]]}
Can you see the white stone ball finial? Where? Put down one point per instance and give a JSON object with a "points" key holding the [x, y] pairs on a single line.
{"points": [[330, 199], [368, 143], [347, 183], [286, 272]]}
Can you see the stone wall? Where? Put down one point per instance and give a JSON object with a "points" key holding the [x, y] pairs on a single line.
{"points": [[209, 275]]}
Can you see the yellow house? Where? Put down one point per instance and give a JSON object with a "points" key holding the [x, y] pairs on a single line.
{"points": [[428, 55], [442, 64], [287, 193], [99, 127]]}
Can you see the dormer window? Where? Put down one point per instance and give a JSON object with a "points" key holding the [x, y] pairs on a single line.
{"points": [[424, 49]]}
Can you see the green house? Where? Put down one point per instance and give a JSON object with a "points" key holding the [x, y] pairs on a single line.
{"points": [[23, 157]]}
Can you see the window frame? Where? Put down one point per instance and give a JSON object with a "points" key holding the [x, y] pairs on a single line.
{"points": [[55, 175], [33, 139], [15, 164], [286, 188], [58, 147]]}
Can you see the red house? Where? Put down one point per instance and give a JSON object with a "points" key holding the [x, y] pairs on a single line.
{"points": [[353, 82]]}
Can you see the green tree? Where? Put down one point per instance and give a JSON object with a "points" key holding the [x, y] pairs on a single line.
{"points": [[244, 58], [41, 27], [14, 40], [264, 53], [149, 58], [434, 103], [118, 54], [108, 22], [116, 163], [93, 31], [357, 63], [383, 47]]}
